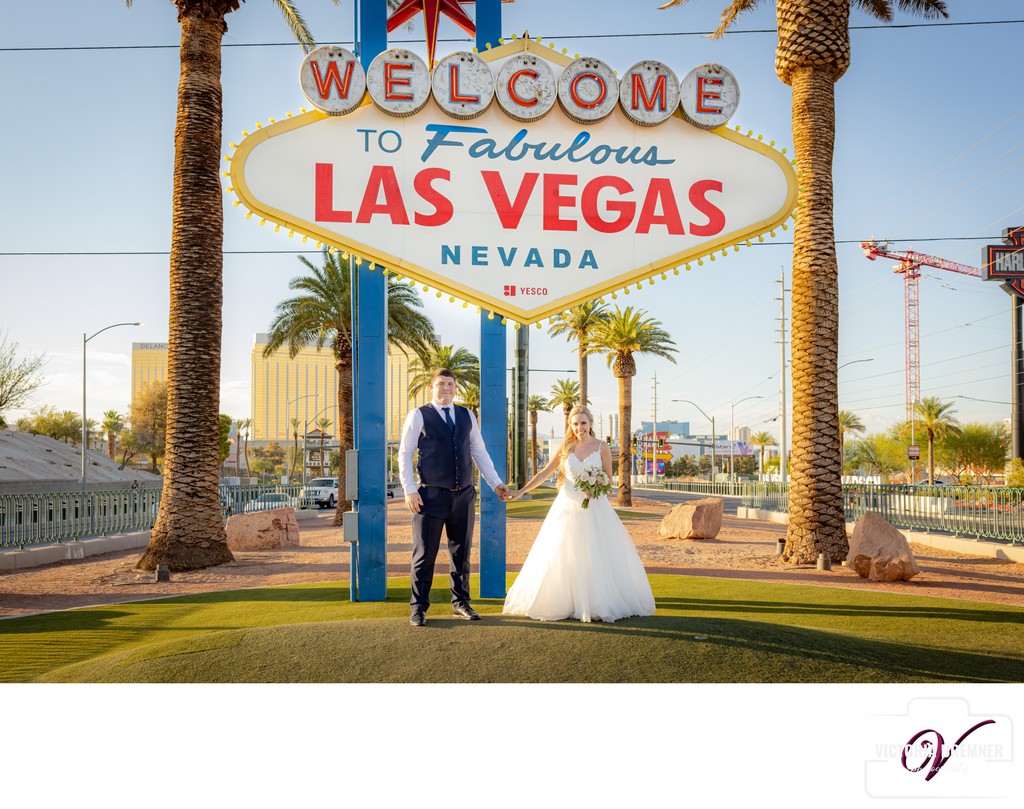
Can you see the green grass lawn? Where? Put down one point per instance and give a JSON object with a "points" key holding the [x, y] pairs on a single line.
{"points": [[705, 630]]}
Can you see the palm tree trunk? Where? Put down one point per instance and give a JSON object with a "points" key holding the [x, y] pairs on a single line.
{"points": [[189, 529], [346, 438], [584, 379], [533, 442], [295, 454], [625, 457], [110, 446], [931, 461], [816, 520]]}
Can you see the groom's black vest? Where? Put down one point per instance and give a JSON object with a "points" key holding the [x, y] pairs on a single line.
{"points": [[445, 460]]}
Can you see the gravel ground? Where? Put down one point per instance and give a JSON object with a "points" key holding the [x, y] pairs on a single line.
{"points": [[744, 549]]}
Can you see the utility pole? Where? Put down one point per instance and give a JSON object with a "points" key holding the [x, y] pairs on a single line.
{"points": [[782, 376], [654, 437], [520, 398]]}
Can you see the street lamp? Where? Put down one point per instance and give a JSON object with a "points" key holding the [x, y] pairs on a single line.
{"points": [[712, 420], [732, 435], [316, 403], [85, 429], [842, 461]]}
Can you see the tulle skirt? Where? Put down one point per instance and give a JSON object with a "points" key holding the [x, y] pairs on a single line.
{"points": [[582, 565]]}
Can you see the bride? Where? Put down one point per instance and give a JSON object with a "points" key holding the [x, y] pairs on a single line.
{"points": [[583, 563]]}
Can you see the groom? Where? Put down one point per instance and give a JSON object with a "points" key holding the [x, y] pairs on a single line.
{"points": [[449, 442]]}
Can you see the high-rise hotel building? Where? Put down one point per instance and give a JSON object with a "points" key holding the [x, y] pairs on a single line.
{"points": [[303, 387], [149, 365], [284, 388], [306, 387]]}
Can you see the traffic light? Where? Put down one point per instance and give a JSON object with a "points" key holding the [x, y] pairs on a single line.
{"points": [[661, 443], [636, 441], [608, 440]]}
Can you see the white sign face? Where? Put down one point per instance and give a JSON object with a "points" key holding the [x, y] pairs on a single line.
{"points": [[526, 220]]}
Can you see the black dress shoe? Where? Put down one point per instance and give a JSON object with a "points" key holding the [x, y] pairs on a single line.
{"points": [[466, 611], [418, 619]]}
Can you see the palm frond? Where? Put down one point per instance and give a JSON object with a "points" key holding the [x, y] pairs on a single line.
{"points": [[297, 25]]}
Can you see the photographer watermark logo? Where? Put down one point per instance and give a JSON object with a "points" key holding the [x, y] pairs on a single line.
{"points": [[939, 748]]}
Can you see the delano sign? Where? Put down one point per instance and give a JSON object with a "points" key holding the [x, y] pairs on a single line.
{"points": [[520, 179]]}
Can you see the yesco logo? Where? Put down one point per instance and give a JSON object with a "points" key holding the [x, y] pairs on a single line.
{"points": [[511, 290]]}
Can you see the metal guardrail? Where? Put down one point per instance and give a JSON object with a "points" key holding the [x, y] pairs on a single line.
{"points": [[984, 512], [694, 487], [46, 518], [41, 519]]}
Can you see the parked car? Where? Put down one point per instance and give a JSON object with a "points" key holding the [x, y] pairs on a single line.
{"points": [[926, 483], [270, 500], [320, 492]]}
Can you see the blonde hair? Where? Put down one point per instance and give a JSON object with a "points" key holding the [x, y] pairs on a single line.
{"points": [[569, 442]]}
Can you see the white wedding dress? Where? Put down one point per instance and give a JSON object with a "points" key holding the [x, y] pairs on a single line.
{"points": [[583, 563]]}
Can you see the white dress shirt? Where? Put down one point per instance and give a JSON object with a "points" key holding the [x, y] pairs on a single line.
{"points": [[411, 431]]}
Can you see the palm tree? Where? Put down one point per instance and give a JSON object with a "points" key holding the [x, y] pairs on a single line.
{"points": [[849, 423], [627, 332], [565, 392], [761, 440], [113, 422], [189, 530], [935, 418], [470, 397], [323, 424], [535, 404], [464, 364], [238, 424], [813, 52], [295, 452], [577, 324], [322, 313]]}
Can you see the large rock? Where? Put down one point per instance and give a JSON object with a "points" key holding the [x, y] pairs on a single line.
{"points": [[262, 530], [697, 519], [879, 552]]}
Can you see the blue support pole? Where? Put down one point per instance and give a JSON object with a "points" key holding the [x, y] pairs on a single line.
{"points": [[370, 316], [492, 388]]}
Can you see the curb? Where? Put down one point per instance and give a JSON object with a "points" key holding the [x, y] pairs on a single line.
{"points": [[971, 547], [77, 549]]}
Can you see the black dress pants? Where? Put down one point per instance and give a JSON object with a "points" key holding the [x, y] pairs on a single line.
{"points": [[453, 512]]}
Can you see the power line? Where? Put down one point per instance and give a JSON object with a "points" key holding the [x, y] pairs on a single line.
{"points": [[73, 253], [638, 35]]}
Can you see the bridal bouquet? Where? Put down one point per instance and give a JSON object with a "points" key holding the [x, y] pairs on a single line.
{"points": [[593, 482]]}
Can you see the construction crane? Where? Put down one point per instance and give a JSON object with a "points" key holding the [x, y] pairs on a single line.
{"points": [[909, 265]]}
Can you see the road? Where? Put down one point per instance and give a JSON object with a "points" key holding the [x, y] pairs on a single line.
{"points": [[729, 504]]}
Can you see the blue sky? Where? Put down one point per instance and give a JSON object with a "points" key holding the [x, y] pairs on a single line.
{"points": [[928, 148]]}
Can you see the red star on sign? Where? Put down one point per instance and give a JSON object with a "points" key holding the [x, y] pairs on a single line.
{"points": [[432, 10]]}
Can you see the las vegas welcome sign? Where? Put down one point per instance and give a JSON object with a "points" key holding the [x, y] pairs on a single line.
{"points": [[519, 179]]}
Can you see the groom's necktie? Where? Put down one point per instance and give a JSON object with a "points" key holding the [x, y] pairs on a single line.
{"points": [[448, 418]]}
